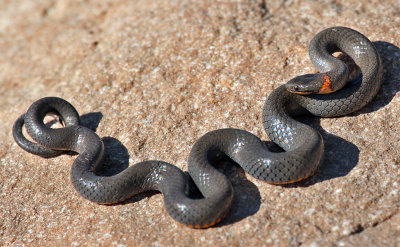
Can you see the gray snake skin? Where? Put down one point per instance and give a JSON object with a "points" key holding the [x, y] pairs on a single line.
{"points": [[304, 147]]}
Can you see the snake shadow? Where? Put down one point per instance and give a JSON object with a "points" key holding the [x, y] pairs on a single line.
{"points": [[91, 120], [390, 55], [340, 156], [246, 195], [116, 156]]}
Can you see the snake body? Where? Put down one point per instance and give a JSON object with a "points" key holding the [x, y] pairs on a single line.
{"points": [[304, 147]]}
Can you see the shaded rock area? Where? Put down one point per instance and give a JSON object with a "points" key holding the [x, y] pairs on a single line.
{"points": [[152, 77]]}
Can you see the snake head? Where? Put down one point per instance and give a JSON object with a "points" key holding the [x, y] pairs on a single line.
{"points": [[307, 84]]}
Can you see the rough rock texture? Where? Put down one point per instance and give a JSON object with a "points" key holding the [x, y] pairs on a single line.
{"points": [[154, 76]]}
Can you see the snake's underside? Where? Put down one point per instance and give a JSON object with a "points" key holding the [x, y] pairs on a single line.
{"points": [[303, 146]]}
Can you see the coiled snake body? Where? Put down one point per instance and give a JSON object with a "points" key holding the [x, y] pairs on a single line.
{"points": [[304, 147]]}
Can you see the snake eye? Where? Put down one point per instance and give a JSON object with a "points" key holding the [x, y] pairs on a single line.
{"points": [[296, 88]]}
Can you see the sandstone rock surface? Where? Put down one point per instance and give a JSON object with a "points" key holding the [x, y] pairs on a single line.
{"points": [[153, 77]]}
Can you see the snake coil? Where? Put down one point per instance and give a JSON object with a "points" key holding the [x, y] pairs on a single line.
{"points": [[304, 147]]}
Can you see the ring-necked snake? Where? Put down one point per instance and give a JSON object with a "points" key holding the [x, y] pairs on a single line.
{"points": [[304, 147]]}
